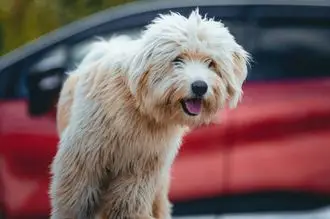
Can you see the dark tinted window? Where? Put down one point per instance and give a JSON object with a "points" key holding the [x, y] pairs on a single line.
{"points": [[291, 49]]}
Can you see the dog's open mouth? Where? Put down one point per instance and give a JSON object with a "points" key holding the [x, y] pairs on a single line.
{"points": [[192, 106]]}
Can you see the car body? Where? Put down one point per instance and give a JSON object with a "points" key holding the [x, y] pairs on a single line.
{"points": [[271, 153]]}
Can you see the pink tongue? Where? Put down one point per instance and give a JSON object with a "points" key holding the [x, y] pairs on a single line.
{"points": [[194, 106]]}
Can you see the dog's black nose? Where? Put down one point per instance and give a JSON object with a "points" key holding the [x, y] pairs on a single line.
{"points": [[199, 88]]}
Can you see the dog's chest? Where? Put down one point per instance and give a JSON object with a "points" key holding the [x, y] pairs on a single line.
{"points": [[145, 154]]}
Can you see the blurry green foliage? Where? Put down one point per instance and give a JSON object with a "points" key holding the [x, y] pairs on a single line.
{"points": [[25, 20]]}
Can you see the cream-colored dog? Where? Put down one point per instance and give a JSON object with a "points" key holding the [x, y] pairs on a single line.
{"points": [[122, 114]]}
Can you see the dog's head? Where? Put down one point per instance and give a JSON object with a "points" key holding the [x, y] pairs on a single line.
{"points": [[186, 69]]}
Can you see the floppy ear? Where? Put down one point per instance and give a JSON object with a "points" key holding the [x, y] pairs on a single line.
{"points": [[240, 60], [139, 65]]}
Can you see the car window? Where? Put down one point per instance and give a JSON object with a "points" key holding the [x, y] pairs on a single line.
{"points": [[291, 50], [56, 58]]}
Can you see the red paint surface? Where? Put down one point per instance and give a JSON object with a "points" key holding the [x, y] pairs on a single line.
{"points": [[278, 138]]}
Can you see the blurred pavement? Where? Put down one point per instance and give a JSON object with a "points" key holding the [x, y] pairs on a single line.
{"points": [[323, 213]]}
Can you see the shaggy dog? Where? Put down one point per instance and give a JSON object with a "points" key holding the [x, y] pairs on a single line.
{"points": [[123, 112]]}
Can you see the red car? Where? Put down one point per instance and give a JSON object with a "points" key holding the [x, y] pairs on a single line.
{"points": [[271, 153]]}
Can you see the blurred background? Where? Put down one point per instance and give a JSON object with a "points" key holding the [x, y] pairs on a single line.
{"points": [[23, 21], [269, 158]]}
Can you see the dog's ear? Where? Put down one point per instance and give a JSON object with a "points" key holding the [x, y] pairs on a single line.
{"points": [[240, 60], [138, 66]]}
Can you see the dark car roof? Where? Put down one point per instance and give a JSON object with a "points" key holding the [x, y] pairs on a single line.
{"points": [[127, 10]]}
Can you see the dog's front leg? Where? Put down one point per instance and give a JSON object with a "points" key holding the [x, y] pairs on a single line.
{"points": [[75, 185], [162, 207], [129, 197]]}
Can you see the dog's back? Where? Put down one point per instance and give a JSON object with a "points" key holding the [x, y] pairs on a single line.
{"points": [[98, 50]]}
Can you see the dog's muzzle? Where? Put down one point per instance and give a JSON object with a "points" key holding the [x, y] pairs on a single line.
{"points": [[193, 106]]}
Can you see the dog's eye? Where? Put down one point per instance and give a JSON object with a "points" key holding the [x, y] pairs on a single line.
{"points": [[210, 63], [178, 61]]}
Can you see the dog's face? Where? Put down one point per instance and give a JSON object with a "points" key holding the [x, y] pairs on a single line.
{"points": [[187, 69]]}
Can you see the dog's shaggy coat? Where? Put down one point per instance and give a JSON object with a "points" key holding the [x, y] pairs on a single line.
{"points": [[123, 111]]}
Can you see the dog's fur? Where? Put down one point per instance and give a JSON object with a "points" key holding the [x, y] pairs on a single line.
{"points": [[121, 120]]}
